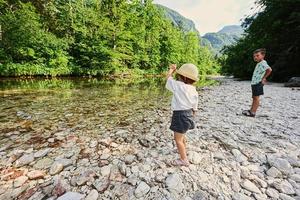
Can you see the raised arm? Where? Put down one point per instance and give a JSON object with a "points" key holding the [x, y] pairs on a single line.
{"points": [[171, 71]]}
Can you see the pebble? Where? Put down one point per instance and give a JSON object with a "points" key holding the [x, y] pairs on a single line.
{"points": [[71, 196], [174, 183], [25, 160], [93, 195], [20, 181], [56, 168], [129, 159], [35, 174], [248, 185], [142, 189], [43, 163], [195, 157], [272, 193], [42, 153], [281, 164], [285, 197], [284, 187], [274, 172]]}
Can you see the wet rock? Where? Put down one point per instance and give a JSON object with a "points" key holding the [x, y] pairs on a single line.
{"points": [[20, 181], [195, 157], [141, 190], [56, 168], [281, 164], [284, 187], [248, 185], [35, 174], [174, 183], [272, 193], [93, 195], [71, 196], [25, 160]]}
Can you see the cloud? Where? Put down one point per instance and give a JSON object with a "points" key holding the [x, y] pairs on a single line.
{"points": [[211, 15]]}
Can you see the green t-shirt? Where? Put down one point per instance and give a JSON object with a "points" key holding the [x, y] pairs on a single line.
{"points": [[259, 72]]}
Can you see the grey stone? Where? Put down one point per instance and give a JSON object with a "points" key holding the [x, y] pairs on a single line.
{"points": [[20, 181], [281, 164], [101, 185], [295, 177], [240, 196], [239, 157], [285, 197], [142, 189], [284, 187], [195, 157], [44, 163], [93, 195], [42, 153], [272, 193], [293, 82], [174, 183], [71, 196], [129, 159], [248, 185], [25, 160], [274, 172], [65, 162], [56, 168]]}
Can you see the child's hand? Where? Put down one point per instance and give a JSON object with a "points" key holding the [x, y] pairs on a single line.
{"points": [[173, 67], [264, 81]]}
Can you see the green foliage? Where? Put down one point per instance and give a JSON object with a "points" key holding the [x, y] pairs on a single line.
{"points": [[91, 37], [276, 28]]}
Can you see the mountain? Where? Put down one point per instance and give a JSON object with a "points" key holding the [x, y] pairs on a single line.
{"points": [[228, 35], [214, 41], [232, 30], [178, 20]]}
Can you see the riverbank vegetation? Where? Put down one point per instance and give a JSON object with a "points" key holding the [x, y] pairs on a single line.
{"points": [[91, 37], [277, 28]]}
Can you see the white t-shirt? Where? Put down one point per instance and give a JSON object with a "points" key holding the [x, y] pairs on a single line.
{"points": [[185, 96]]}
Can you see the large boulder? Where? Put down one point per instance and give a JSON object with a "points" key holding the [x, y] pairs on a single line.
{"points": [[293, 82]]}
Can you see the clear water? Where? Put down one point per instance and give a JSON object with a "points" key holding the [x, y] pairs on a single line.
{"points": [[94, 106]]}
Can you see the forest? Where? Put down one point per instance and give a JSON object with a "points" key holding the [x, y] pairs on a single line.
{"points": [[91, 37], [277, 28]]}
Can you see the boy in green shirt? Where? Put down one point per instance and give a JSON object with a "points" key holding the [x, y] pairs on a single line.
{"points": [[259, 79]]}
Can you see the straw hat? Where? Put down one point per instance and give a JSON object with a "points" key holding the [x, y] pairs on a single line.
{"points": [[189, 70]]}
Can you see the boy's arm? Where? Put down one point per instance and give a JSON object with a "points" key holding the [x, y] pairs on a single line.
{"points": [[267, 74]]}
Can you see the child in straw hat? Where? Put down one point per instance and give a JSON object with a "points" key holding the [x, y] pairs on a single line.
{"points": [[184, 105]]}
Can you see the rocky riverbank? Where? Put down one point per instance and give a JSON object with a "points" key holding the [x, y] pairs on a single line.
{"points": [[232, 156]]}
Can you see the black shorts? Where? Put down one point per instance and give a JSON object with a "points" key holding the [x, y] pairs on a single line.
{"points": [[182, 121], [257, 89]]}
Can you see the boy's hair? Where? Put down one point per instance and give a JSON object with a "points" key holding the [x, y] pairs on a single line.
{"points": [[263, 51], [185, 79]]}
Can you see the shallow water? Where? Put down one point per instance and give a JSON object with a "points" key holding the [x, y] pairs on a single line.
{"points": [[92, 105]]}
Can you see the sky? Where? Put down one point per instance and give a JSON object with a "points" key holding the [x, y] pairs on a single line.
{"points": [[211, 15]]}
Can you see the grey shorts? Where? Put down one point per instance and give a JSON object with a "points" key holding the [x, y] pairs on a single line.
{"points": [[182, 121]]}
